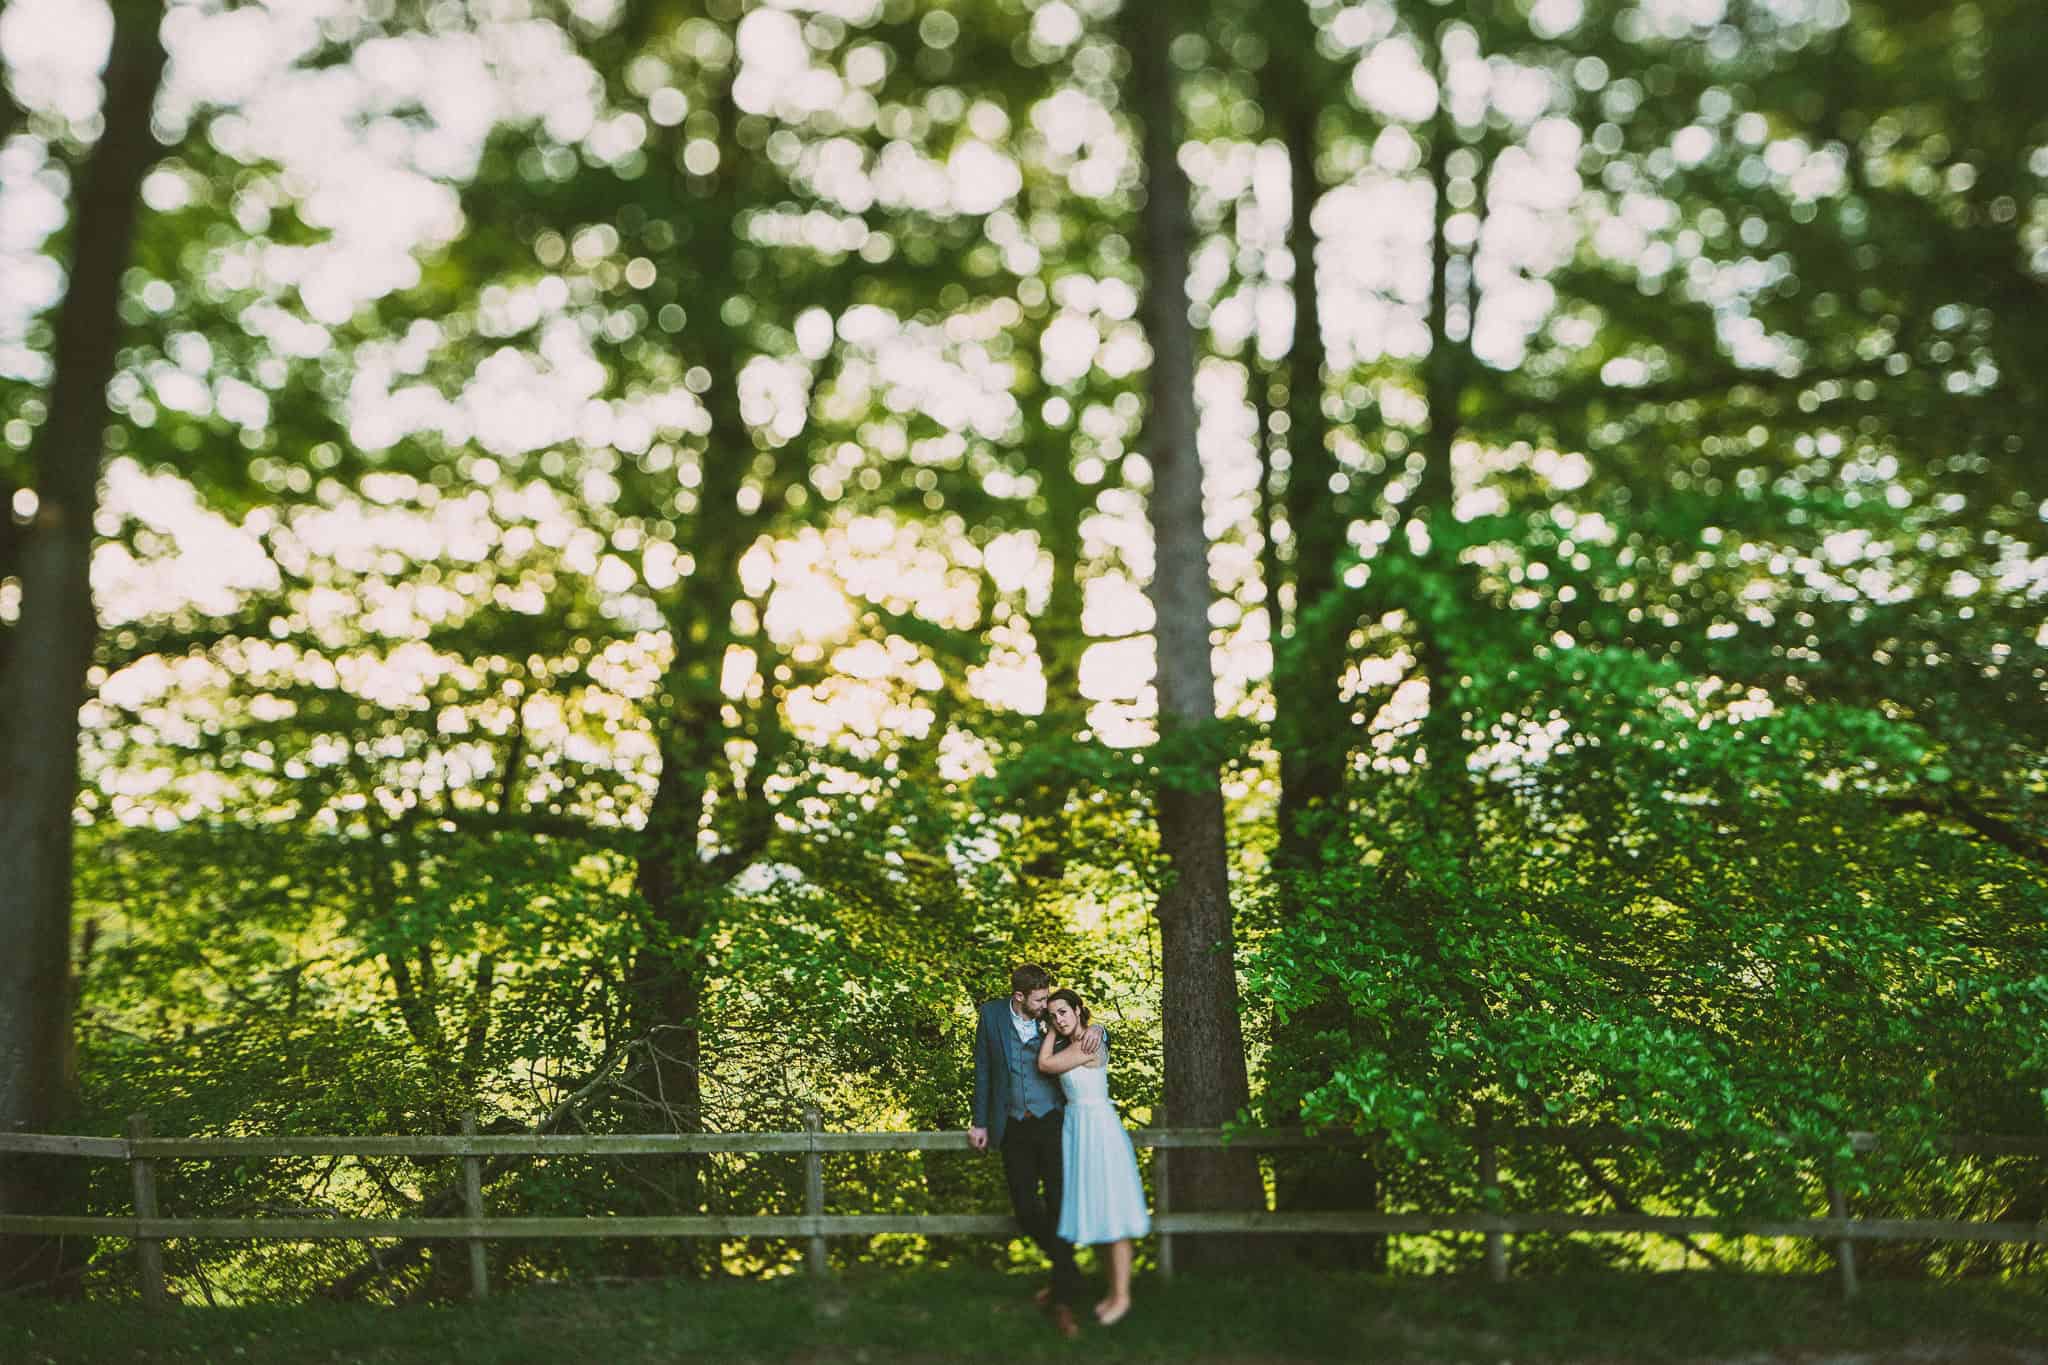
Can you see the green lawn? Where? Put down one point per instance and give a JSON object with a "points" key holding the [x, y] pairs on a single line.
{"points": [[921, 1319]]}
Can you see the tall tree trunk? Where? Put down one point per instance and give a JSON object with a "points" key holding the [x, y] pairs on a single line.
{"points": [[671, 877], [1060, 637], [674, 878], [1307, 674], [1311, 725], [1445, 374], [1060, 641], [1205, 1078], [44, 683], [680, 882]]}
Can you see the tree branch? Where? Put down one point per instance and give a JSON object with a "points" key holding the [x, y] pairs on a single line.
{"points": [[2006, 836]]}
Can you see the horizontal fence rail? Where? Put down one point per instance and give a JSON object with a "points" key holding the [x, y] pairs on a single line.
{"points": [[689, 1144], [142, 1152], [996, 1225]]}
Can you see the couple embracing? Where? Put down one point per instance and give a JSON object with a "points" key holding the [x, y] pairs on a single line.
{"points": [[1041, 1098]]}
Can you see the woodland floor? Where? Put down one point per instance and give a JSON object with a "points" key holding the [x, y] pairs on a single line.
{"points": [[968, 1316]]}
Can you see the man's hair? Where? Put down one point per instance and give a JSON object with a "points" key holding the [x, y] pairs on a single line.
{"points": [[1030, 977]]}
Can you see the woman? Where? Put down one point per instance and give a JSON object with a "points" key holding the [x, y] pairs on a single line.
{"points": [[1104, 1202]]}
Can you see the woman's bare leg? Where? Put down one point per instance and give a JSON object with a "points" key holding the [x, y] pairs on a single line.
{"points": [[1119, 1301]]}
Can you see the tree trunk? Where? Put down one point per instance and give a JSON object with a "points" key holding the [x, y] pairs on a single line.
{"points": [[673, 876], [1060, 637], [1205, 1075], [1060, 641], [1444, 379], [665, 992], [44, 684], [1307, 675], [1311, 725]]}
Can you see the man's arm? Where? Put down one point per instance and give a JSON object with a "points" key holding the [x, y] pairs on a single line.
{"points": [[977, 1131], [1094, 1041]]}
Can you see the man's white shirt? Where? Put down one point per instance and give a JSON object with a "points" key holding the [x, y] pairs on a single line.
{"points": [[1027, 1028]]}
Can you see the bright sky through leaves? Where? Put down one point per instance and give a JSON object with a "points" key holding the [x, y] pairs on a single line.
{"points": [[380, 186]]}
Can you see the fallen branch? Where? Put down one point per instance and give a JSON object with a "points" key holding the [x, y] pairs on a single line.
{"points": [[449, 1199], [1625, 1204]]}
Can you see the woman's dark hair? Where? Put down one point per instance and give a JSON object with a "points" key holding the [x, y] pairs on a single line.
{"points": [[1028, 978], [1073, 1000]]}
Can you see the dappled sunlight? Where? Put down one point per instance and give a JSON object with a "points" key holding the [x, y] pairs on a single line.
{"points": [[543, 399]]}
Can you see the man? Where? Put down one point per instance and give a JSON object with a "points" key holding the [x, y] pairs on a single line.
{"points": [[1018, 1110]]}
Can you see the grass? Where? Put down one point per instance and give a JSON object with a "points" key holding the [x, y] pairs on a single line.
{"points": [[964, 1316]]}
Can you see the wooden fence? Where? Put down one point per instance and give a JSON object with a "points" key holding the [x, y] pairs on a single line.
{"points": [[1839, 1231]]}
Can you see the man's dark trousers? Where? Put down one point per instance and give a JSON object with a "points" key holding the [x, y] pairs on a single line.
{"points": [[1032, 1160]]}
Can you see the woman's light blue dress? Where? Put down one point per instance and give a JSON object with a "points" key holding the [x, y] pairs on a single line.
{"points": [[1103, 1199]]}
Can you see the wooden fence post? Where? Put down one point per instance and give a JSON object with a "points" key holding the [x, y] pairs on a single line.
{"points": [[1489, 1192], [473, 1205], [1163, 1197], [1845, 1248], [814, 1188], [149, 1251]]}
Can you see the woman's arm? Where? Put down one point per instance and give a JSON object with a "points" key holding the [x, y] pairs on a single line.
{"points": [[1053, 1063]]}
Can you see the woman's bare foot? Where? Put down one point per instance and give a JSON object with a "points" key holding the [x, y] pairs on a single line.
{"points": [[1111, 1311], [1043, 1298]]}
